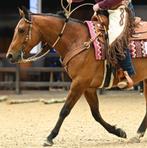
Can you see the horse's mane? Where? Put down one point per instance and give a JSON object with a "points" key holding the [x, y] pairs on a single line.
{"points": [[59, 14]]}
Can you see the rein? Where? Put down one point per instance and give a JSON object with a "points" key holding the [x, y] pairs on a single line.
{"points": [[68, 13]]}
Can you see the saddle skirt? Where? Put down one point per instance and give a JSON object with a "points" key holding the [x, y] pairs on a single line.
{"points": [[137, 45], [140, 32]]}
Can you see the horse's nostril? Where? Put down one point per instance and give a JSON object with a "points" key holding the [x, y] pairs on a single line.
{"points": [[9, 56]]}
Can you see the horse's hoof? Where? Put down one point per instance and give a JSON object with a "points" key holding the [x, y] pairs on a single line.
{"points": [[121, 133], [48, 143]]}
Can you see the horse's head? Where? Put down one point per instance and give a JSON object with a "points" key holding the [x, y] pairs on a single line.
{"points": [[26, 36]]}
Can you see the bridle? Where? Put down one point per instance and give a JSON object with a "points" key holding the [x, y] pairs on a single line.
{"points": [[28, 37], [37, 56], [45, 45], [29, 34]]}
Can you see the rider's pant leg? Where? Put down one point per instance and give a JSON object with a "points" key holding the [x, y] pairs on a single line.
{"points": [[126, 64]]}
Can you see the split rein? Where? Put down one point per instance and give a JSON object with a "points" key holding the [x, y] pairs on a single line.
{"points": [[37, 56]]}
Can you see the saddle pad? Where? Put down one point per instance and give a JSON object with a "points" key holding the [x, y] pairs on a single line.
{"points": [[138, 48], [98, 46]]}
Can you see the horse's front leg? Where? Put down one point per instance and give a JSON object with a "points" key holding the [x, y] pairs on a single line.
{"points": [[74, 94], [143, 126]]}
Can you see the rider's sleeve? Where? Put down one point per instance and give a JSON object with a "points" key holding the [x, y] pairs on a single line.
{"points": [[108, 4]]}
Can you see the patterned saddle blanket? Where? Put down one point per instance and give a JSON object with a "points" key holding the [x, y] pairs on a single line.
{"points": [[137, 45]]}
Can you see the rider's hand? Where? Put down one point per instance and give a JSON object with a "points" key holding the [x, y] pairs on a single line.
{"points": [[96, 7], [69, 1]]}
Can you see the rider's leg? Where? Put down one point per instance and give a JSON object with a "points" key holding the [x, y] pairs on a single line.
{"points": [[127, 66], [117, 36]]}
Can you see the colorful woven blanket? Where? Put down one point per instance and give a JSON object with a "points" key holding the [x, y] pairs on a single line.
{"points": [[138, 48]]}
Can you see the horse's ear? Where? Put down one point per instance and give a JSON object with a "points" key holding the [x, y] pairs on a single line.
{"points": [[21, 13], [24, 13]]}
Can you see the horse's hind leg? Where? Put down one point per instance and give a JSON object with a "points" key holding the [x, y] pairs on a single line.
{"points": [[142, 128], [92, 99], [74, 94]]}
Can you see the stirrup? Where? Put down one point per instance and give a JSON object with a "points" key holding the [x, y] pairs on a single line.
{"points": [[126, 82], [122, 84]]}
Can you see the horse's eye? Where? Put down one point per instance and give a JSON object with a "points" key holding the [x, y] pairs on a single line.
{"points": [[20, 30]]}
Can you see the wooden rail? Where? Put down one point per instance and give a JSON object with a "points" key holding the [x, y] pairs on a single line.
{"points": [[18, 84]]}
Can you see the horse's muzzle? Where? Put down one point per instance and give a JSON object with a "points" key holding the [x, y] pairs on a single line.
{"points": [[13, 58], [9, 57]]}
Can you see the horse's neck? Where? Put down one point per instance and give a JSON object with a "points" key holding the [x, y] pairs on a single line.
{"points": [[74, 34], [49, 27]]}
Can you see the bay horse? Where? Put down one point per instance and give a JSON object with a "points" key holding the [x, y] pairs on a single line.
{"points": [[86, 73]]}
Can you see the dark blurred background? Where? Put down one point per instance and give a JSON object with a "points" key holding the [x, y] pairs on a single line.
{"points": [[9, 15]]}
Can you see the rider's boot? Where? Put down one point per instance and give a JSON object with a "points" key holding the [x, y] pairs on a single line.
{"points": [[128, 71]]}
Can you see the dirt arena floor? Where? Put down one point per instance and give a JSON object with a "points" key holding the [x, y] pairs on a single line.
{"points": [[27, 125]]}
